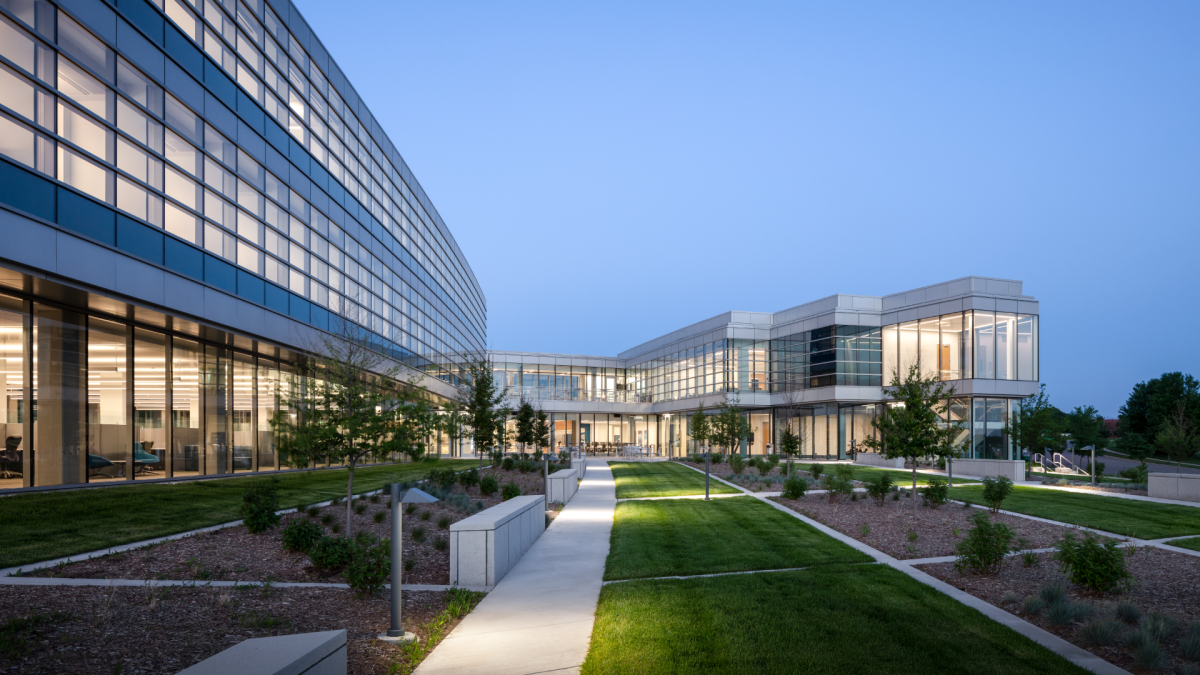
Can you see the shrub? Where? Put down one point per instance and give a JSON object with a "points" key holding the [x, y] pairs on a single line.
{"points": [[764, 467], [442, 543], [260, 501], [300, 535], [995, 490], [508, 464], [1128, 612], [879, 487], [469, 479], [1100, 632], [443, 478], [380, 516], [718, 458], [1095, 564], [359, 508], [1137, 474], [1029, 559], [1189, 647], [982, 550], [794, 487], [410, 509], [526, 466], [312, 511], [444, 522], [369, 568], [935, 494], [488, 485], [425, 515], [335, 528], [816, 470], [331, 553], [418, 534], [736, 463], [1099, 470], [510, 490], [837, 486], [374, 498], [326, 518]]}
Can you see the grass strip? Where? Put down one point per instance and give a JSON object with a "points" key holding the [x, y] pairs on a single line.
{"points": [[1128, 517], [661, 479], [899, 477], [1193, 543], [691, 536], [47, 525], [834, 619]]}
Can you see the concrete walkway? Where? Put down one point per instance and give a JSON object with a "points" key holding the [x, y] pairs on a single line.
{"points": [[539, 617]]}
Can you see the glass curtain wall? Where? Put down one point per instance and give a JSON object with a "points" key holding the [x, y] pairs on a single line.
{"points": [[964, 345], [12, 392], [267, 385], [108, 430], [242, 422], [150, 400]]}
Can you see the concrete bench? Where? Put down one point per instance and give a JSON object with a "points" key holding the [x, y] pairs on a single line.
{"points": [[484, 547], [300, 654], [1013, 469], [563, 485], [876, 459], [1182, 486]]}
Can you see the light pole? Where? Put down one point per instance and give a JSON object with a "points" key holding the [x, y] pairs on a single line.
{"points": [[670, 445], [395, 632]]}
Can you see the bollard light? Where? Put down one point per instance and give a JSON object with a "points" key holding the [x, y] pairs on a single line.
{"points": [[396, 632]]}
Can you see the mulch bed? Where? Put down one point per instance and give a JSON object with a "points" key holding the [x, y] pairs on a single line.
{"points": [[889, 526], [233, 554], [1165, 582], [88, 630], [749, 478]]}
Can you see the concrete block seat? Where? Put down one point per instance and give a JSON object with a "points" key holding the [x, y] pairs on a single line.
{"points": [[321, 653], [484, 547], [1181, 486]]}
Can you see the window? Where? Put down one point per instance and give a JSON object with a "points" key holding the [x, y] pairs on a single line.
{"points": [[219, 242], [250, 199], [84, 89], [184, 121], [139, 126], [1006, 346], [16, 45], [1027, 347], [985, 345], [181, 223], [85, 48], [16, 93], [219, 210], [220, 147], [249, 257], [16, 141], [138, 163], [139, 202], [83, 174], [87, 134], [139, 88], [219, 179], [250, 228], [182, 189], [181, 15], [182, 154]]}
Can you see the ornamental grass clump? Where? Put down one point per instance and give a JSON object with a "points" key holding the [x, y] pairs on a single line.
{"points": [[1189, 647], [260, 502], [1149, 656], [982, 551], [879, 487], [1128, 612], [1098, 565], [794, 487], [1100, 632], [995, 490]]}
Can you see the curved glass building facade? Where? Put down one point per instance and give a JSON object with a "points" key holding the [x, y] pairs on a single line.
{"points": [[189, 191]]}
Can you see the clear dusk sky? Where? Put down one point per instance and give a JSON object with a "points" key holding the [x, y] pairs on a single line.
{"points": [[617, 170]]}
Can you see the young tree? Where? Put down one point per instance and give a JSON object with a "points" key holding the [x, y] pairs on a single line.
{"points": [[1037, 425], [700, 429], [541, 430], [789, 444], [730, 427], [483, 404], [502, 434], [526, 420], [1086, 426], [454, 423], [911, 425], [1178, 438], [792, 441]]}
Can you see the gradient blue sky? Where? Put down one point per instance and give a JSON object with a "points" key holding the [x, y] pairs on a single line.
{"points": [[614, 171]]}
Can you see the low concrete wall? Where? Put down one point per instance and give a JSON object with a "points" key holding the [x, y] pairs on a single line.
{"points": [[300, 654], [1182, 486], [1014, 469], [484, 547], [876, 459], [563, 485]]}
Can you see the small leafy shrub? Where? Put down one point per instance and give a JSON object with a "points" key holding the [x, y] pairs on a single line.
{"points": [[718, 458], [913, 535], [488, 485], [508, 464], [737, 464], [312, 511], [1100, 632], [527, 466], [369, 568], [300, 535], [935, 494], [982, 550], [443, 478], [1137, 474], [995, 490], [441, 543], [879, 487], [380, 516], [895, 496], [418, 534], [444, 522], [1128, 612], [853, 496], [1149, 656], [360, 508], [426, 515], [764, 467], [794, 487], [816, 470], [1189, 647], [469, 479], [260, 502], [510, 490], [409, 564], [1095, 564], [839, 484], [331, 553], [1099, 470]]}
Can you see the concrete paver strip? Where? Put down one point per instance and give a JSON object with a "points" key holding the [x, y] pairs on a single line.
{"points": [[539, 618], [190, 583]]}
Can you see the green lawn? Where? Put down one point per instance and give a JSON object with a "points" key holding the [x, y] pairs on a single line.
{"points": [[691, 536], [48, 525], [901, 478], [1193, 543], [1128, 517], [834, 619], [661, 479]]}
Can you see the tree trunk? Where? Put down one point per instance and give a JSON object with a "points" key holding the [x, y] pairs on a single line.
{"points": [[349, 499], [914, 489]]}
